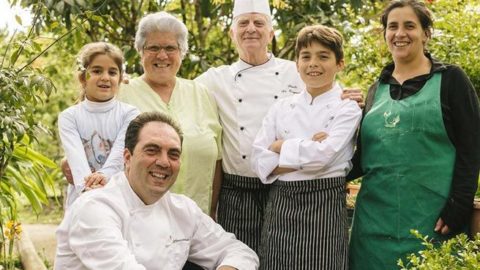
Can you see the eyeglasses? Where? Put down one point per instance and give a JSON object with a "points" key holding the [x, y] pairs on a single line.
{"points": [[153, 49]]}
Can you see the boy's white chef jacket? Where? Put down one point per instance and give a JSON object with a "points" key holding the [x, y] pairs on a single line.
{"points": [[296, 120], [111, 228]]}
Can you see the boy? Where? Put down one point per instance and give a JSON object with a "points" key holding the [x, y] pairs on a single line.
{"points": [[304, 149]]}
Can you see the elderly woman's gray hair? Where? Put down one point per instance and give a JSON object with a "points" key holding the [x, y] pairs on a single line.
{"points": [[162, 22]]}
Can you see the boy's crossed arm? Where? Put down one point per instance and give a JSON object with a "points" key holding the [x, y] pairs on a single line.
{"points": [[276, 147]]}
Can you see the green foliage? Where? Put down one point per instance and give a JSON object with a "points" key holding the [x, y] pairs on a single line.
{"points": [[22, 89], [365, 50], [208, 23], [456, 35], [455, 40], [26, 174], [23, 171], [456, 253]]}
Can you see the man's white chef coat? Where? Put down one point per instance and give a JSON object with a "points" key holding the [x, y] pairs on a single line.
{"points": [[296, 120], [244, 93], [111, 228]]}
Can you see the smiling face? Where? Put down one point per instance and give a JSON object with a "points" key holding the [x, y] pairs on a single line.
{"points": [[161, 58], [318, 66], [404, 35], [251, 34], [153, 166], [101, 79]]}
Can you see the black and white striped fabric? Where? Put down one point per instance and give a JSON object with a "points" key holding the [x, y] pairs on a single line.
{"points": [[241, 208], [305, 226]]}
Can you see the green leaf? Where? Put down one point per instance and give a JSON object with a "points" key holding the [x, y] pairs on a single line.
{"points": [[25, 153], [69, 2], [81, 3], [14, 57], [36, 46], [60, 6], [18, 19]]}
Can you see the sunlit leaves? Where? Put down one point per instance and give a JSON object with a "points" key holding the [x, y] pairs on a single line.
{"points": [[457, 253]]}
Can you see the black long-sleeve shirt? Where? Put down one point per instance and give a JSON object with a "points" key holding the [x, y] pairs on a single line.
{"points": [[461, 116]]}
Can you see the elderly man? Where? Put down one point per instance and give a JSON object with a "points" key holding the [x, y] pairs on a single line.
{"points": [[244, 91], [135, 223]]}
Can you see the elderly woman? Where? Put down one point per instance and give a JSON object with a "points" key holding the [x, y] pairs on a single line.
{"points": [[419, 108], [161, 40]]}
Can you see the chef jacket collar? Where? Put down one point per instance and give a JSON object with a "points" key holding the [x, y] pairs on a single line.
{"points": [[335, 91], [241, 65], [133, 201]]}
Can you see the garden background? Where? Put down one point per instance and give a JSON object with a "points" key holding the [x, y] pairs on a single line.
{"points": [[37, 71]]}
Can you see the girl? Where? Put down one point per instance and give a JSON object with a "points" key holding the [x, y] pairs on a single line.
{"points": [[92, 132]]}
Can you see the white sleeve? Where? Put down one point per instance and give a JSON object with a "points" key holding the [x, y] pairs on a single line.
{"points": [[206, 79], [114, 162], [306, 153], [95, 236], [212, 247], [73, 148], [263, 160]]}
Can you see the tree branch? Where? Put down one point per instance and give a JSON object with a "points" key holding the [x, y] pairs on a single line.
{"points": [[49, 46]]}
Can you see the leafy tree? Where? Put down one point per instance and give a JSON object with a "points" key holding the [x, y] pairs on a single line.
{"points": [[23, 171], [208, 22], [456, 35]]}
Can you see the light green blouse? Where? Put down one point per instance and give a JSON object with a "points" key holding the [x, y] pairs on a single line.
{"points": [[195, 110]]}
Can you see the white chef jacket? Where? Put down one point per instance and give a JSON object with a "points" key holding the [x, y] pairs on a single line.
{"points": [[93, 138], [243, 94], [295, 120], [111, 228]]}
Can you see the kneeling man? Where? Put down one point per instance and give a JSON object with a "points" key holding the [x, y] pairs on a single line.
{"points": [[135, 223]]}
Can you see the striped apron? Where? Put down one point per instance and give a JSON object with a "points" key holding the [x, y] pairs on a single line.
{"points": [[305, 226], [241, 208]]}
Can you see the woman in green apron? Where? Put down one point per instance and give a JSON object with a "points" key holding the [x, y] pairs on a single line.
{"points": [[419, 147]]}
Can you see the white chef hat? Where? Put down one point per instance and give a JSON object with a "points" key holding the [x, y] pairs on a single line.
{"points": [[251, 6]]}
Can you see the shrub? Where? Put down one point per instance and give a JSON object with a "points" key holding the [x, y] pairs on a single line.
{"points": [[456, 253]]}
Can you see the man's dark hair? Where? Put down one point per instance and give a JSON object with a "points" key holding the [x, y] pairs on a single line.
{"points": [[136, 125]]}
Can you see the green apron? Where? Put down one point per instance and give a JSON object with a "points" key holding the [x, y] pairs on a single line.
{"points": [[408, 161]]}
